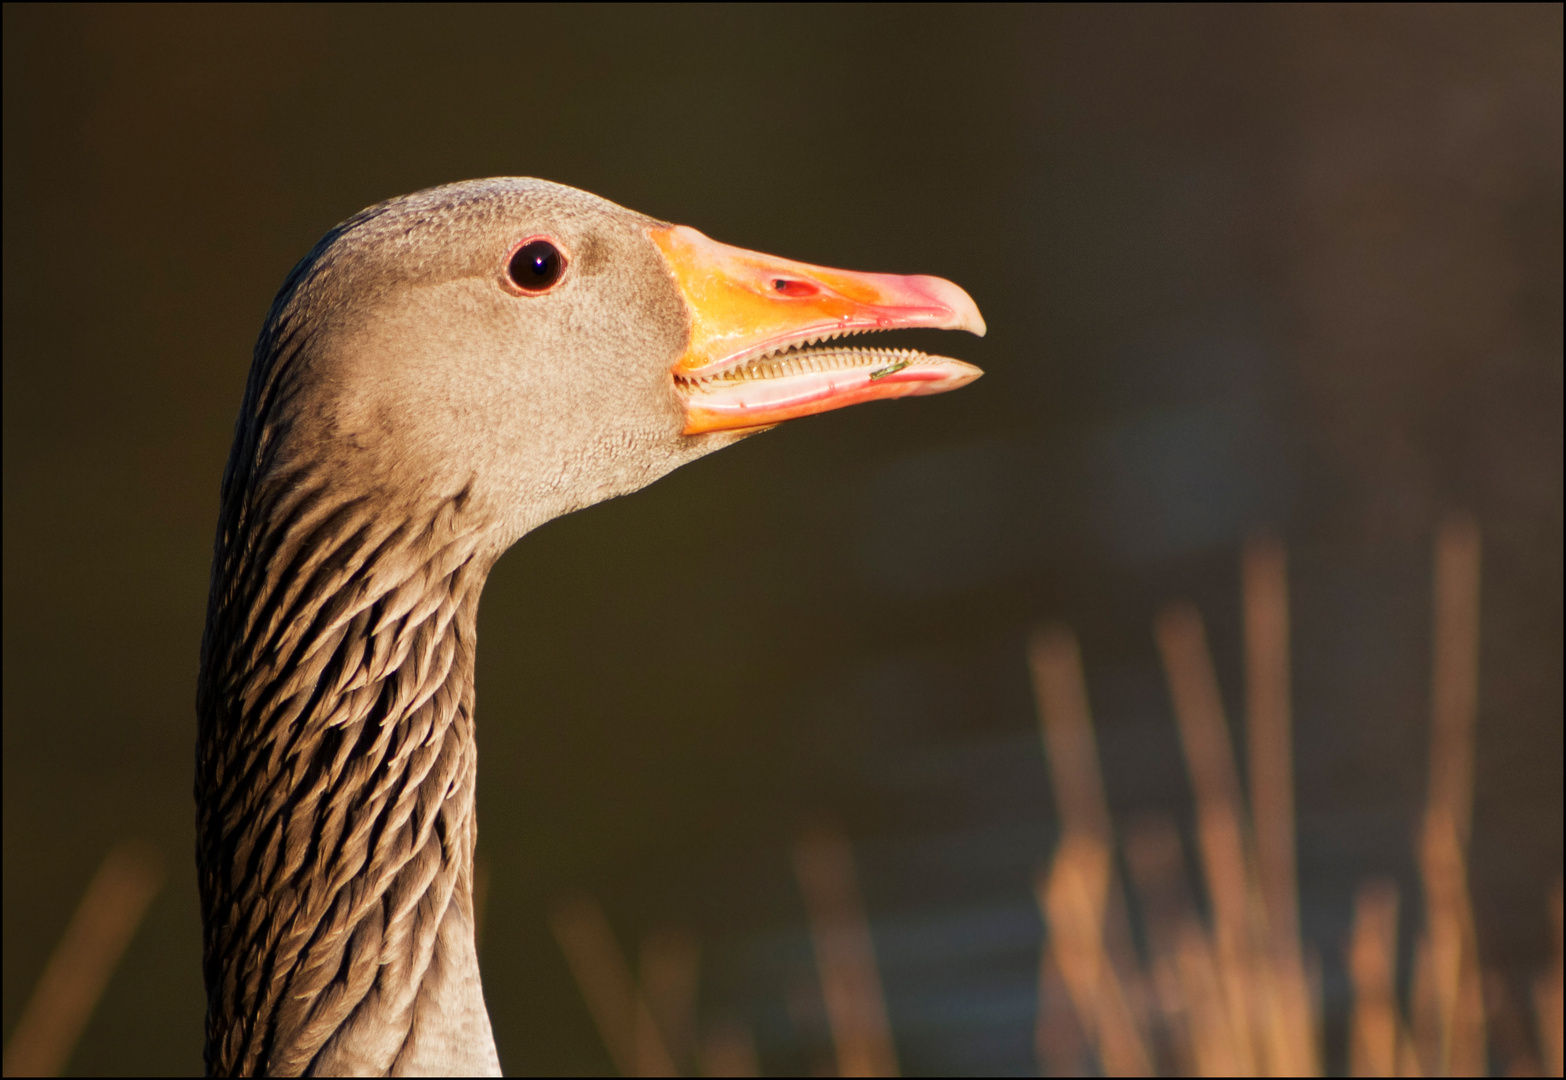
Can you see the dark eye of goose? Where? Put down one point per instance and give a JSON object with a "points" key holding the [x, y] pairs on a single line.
{"points": [[536, 266]]}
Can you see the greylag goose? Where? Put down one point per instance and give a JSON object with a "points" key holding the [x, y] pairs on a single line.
{"points": [[442, 373]]}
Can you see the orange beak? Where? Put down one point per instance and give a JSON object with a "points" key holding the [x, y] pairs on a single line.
{"points": [[753, 358]]}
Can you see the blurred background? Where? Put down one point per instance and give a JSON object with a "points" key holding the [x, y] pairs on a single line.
{"points": [[1281, 268]]}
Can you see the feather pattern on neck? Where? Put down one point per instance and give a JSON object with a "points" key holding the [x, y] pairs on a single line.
{"points": [[336, 759]]}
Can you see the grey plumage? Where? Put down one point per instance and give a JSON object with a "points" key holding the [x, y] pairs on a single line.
{"points": [[404, 422], [413, 408]]}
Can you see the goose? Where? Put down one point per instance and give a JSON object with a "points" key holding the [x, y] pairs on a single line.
{"points": [[441, 374]]}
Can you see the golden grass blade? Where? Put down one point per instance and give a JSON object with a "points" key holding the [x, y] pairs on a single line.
{"points": [[1455, 672], [1372, 962], [1218, 1049], [669, 970], [1265, 579], [1220, 822], [1064, 721], [75, 976], [1290, 1020], [1071, 751], [1264, 574], [1449, 989], [845, 956], [624, 1022], [1222, 845], [1193, 686], [1074, 899], [1456, 990]]}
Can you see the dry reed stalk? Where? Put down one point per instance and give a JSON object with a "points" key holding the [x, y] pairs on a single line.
{"points": [[729, 1050], [1264, 574], [1262, 978], [1243, 1000], [1074, 898], [1219, 837], [1067, 727], [1218, 1049], [76, 974], [1374, 1028], [1549, 1003], [1220, 823], [845, 956], [1455, 994], [1448, 1005], [1071, 752], [624, 1021], [670, 966]]}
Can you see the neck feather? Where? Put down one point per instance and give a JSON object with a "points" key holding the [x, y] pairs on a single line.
{"points": [[335, 783]]}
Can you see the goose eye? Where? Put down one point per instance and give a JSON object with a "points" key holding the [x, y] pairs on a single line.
{"points": [[536, 266]]}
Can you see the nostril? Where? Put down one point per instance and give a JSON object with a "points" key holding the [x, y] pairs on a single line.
{"points": [[790, 287]]}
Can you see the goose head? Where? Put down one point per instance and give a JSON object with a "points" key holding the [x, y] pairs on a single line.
{"points": [[540, 349], [441, 374]]}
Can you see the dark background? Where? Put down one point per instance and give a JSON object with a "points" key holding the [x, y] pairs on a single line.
{"points": [[1242, 267]]}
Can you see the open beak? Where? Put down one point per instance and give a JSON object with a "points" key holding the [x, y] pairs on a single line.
{"points": [[754, 357]]}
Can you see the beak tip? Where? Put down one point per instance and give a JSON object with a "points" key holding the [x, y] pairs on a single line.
{"points": [[964, 312], [957, 374], [969, 317]]}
